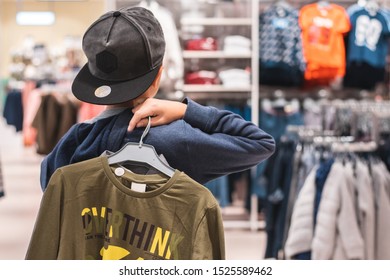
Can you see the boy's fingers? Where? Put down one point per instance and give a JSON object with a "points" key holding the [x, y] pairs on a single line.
{"points": [[138, 121], [137, 117], [131, 126], [142, 123], [132, 123]]}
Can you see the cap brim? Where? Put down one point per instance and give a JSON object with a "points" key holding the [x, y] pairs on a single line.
{"points": [[88, 88]]}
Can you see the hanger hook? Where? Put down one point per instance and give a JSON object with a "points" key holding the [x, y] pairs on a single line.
{"points": [[145, 132]]}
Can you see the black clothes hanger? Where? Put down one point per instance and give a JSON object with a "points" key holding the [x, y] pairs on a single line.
{"points": [[141, 153]]}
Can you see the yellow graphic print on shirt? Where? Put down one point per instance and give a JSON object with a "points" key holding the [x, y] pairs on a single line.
{"points": [[113, 253], [114, 227]]}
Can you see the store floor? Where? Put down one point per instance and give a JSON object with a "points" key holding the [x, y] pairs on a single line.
{"points": [[20, 205]]}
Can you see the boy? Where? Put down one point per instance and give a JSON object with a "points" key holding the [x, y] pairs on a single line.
{"points": [[125, 50]]}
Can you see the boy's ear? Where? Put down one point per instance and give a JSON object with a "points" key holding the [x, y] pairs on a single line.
{"points": [[156, 81]]}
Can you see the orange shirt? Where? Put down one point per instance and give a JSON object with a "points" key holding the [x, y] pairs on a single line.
{"points": [[323, 28]]}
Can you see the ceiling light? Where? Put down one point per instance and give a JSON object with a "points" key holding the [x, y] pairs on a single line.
{"points": [[61, 0], [35, 18]]}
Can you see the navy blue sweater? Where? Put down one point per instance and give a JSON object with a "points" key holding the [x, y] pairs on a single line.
{"points": [[207, 143]]}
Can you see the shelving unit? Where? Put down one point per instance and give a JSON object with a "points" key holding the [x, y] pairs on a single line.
{"points": [[214, 88], [221, 54], [250, 92], [217, 21], [215, 54]]}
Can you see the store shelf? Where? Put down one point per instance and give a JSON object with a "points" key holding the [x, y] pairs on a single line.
{"points": [[201, 96], [214, 88], [215, 54], [216, 21], [239, 95]]}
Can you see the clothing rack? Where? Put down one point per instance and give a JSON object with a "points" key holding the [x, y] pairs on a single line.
{"points": [[354, 147], [372, 110], [328, 138], [302, 149], [351, 158]]}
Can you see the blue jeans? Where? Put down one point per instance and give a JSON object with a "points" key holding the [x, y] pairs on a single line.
{"points": [[276, 126], [277, 197], [220, 189]]}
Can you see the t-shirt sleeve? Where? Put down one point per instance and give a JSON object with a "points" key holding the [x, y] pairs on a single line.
{"points": [[386, 22], [304, 18], [209, 242], [45, 238], [342, 23]]}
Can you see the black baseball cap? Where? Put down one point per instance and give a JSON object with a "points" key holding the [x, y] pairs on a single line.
{"points": [[125, 49]]}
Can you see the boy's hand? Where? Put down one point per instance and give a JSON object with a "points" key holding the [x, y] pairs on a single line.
{"points": [[161, 111]]}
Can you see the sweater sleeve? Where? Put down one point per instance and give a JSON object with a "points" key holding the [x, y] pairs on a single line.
{"points": [[222, 143]]}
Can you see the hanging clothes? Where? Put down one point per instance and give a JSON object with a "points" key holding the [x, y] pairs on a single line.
{"points": [[313, 114], [323, 28], [30, 102], [275, 122], [381, 185], [278, 190], [301, 231], [334, 234], [220, 189], [366, 208], [352, 216], [90, 212], [13, 109], [307, 225], [55, 116], [337, 235], [281, 58], [367, 47], [383, 151]]}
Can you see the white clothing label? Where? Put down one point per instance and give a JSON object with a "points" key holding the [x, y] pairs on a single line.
{"points": [[138, 187]]}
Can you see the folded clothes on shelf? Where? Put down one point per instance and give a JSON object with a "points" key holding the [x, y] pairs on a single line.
{"points": [[202, 77], [202, 44], [235, 77], [236, 44]]}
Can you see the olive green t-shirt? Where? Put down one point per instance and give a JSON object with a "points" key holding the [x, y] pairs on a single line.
{"points": [[89, 212]]}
